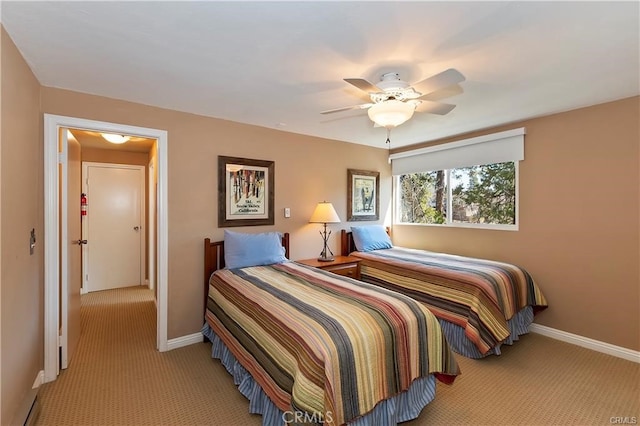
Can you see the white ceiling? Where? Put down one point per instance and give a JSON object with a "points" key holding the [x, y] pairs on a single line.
{"points": [[278, 64]]}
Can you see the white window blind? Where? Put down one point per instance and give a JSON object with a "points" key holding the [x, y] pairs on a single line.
{"points": [[488, 149]]}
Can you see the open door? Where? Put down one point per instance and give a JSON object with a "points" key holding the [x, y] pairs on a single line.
{"points": [[71, 246]]}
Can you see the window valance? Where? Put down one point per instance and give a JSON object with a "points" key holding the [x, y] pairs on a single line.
{"points": [[487, 149]]}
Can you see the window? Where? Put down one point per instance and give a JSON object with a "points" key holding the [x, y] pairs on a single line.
{"points": [[422, 197], [470, 183], [481, 195]]}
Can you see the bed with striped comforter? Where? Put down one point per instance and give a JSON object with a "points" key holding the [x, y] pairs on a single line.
{"points": [[481, 304], [325, 345]]}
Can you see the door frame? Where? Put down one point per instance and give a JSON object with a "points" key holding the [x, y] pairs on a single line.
{"points": [[151, 224], [143, 196], [52, 125]]}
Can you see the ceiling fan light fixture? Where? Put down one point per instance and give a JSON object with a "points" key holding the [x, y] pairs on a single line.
{"points": [[391, 113], [113, 138]]}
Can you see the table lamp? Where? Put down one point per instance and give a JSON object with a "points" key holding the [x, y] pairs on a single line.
{"points": [[325, 213]]}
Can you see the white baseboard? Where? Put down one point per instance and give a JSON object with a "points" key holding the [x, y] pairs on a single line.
{"points": [[179, 342], [39, 380], [586, 342]]}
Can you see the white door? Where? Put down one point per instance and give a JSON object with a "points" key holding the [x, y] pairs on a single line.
{"points": [[114, 253], [70, 262]]}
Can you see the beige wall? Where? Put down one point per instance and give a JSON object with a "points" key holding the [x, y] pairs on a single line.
{"points": [[307, 170], [97, 155], [21, 200], [579, 221]]}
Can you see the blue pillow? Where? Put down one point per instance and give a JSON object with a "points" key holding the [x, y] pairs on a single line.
{"points": [[242, 249], [371, 237]]}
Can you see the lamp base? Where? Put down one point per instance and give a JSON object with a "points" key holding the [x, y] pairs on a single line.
{"points": [[326, 259]]}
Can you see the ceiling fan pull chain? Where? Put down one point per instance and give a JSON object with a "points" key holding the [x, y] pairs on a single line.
{"points": [[388, 135]]}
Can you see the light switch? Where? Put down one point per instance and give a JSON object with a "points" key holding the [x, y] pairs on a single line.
{"points": [[287, 212]]}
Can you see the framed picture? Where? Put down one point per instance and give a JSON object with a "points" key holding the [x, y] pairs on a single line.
{"points": [[245, 192], [363, 195]]}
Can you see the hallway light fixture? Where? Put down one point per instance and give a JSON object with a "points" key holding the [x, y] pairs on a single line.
{"points": [[113, 138]]}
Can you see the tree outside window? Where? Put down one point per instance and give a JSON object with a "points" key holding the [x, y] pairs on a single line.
{"points": [[483, 194]]}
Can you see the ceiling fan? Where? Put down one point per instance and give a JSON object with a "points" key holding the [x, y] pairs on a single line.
{"points": [[394, 101]]}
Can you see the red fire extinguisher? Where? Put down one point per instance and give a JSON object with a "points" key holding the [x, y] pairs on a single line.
{"points": [[83, 204]]}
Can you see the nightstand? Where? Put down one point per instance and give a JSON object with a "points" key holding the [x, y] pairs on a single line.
{"points": [[342, 265]]}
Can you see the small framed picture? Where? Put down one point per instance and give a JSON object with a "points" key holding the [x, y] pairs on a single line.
{"points": [[363, 195], [245, 192]]}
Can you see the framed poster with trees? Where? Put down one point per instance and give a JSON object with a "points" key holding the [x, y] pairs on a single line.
{"points": [[245, 192], [363, 195]]}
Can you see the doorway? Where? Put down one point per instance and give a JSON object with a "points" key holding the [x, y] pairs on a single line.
{"points": [[54, 163]]}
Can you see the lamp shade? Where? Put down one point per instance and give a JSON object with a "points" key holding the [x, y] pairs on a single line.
{"points": [[324, 213], [391, 113], [113, 138]]}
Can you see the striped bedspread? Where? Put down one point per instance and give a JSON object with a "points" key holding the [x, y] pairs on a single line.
{"points": [[476, 294], [322, 344]]}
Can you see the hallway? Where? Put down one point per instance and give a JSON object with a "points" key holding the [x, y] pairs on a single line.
{"points": [[117, 377]]}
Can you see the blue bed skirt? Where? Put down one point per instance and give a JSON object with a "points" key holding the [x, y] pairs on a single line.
{"points": [[460, 343], [403, 407]]}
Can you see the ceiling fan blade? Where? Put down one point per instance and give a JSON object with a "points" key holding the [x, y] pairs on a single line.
{"points": [[447, 92], [363, 84], [439, 81], [435, 107], [362, 106]]}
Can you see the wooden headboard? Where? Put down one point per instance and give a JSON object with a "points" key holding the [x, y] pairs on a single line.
{"points": [[347, 245], [214, 259]]}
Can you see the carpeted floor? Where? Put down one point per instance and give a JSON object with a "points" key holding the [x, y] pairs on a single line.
{"points": [[118, 378]]}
